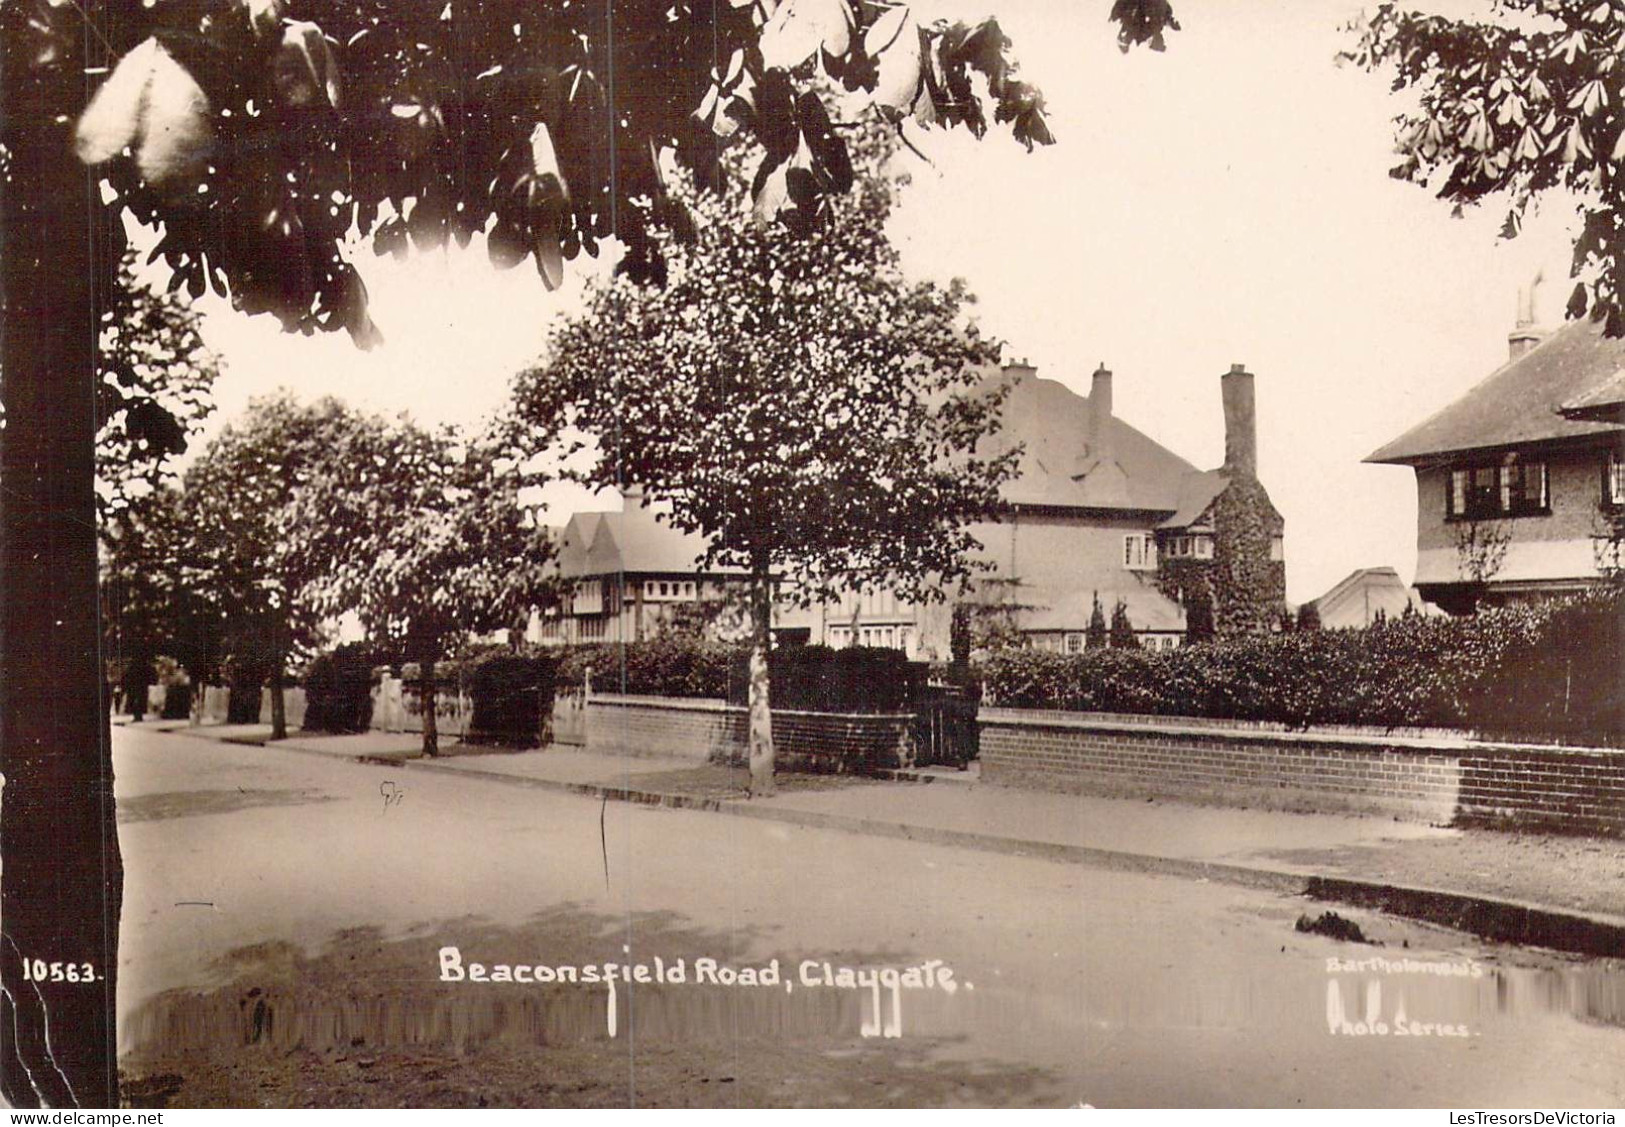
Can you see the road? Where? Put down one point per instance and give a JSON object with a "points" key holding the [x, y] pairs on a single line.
{"points": [[286, 916]]}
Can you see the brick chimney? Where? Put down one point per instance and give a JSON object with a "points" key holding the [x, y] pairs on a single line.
{"points": [[1240, 422]]}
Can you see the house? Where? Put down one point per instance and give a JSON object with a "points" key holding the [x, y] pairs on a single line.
{"points": [[1361, 596], [1520, 481], [629, 572], [1098, 509]]}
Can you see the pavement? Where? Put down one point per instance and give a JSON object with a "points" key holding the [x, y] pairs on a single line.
{"points": [[1561, 893]]}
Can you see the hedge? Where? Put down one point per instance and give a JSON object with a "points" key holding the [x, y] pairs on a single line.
{"points": [[819, 679], [513, 698], [1544, 671], [675, 665], [338, 690]]}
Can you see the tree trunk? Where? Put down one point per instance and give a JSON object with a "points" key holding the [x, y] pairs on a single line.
{"points": [[761, 716], [426, 695], [61, 886], [279, 704]]}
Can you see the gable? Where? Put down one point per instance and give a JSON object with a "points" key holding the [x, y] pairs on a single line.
{"points": [[1052, 422]]}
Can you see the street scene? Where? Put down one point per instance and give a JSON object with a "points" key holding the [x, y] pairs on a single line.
{"points": [[812, 553], [282, 949]]}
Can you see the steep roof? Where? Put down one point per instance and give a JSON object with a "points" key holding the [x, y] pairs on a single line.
{"points": [[1196, 493], [1519, 402], [634, 541], [1354, 598], [1052, 421]]}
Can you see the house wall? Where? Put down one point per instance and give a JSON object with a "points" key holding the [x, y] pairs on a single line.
{"points": [[1431, 779], [1559, 546], [1045, 552], [1063, 551]]}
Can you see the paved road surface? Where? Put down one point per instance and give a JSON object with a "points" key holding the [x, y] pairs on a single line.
{"points": [[299, 904]]}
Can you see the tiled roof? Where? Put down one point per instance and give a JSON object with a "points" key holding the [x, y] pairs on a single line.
{"points": [[1052, 421], [1196, 493], [1602, 403], [1519, 402]]}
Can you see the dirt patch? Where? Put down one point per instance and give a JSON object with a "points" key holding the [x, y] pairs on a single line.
{"points": [[195, 803]]}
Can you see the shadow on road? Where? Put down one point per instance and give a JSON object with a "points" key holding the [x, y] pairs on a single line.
{"points": [[369, 1021]]}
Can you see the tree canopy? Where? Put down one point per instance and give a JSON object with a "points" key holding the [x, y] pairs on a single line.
{"points": [[260, 133], [1511, 107], [799, 399], [153, 388], [419, 532]]}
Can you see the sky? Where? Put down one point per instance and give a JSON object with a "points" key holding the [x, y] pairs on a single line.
{"points": [[1226, 201]]}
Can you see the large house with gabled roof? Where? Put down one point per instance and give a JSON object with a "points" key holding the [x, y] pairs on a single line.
{"points": [[1520, 480], [1097, 510]]}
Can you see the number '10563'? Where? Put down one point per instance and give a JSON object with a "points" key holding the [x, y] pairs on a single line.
{"points": [[38, 970]]}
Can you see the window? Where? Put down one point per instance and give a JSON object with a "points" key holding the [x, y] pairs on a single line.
{"points": [[1074, 643], [1139, 551], [1514, 488], [1613, 492], [1277, 549], [1202, 547], [588, 598]]}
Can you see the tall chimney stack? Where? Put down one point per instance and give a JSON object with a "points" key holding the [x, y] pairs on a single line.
{"points": [[1100, 415], [1240, 422]]}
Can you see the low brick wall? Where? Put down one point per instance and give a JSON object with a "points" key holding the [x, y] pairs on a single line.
{"points": [[1441, 779], [711, 730]]}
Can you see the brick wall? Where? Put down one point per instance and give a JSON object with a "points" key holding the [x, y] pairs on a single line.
{"points": [[709, 730], [1434, 779]]}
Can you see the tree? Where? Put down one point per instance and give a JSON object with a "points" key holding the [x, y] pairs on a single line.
{"points": [[1096, 636], [244, 553], [1513, 107], [804, 406], [148, 606], [152, 391], [257, 132], [1309, 616], [1122, 635], [421, 534]]}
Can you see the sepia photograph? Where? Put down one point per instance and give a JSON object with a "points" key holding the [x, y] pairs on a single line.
{"points": [[812, 554]]}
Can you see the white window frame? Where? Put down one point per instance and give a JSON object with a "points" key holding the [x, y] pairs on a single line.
{"points": [[1139, 551]]}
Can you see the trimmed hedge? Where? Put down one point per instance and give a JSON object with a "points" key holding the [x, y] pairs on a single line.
{"points": [[338, 690], [513, 698], [1543, 671], [668, 666], [819, 679], [810, 678]]}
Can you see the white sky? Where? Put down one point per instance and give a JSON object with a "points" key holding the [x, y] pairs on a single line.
{"points": [[1227, 201]]}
